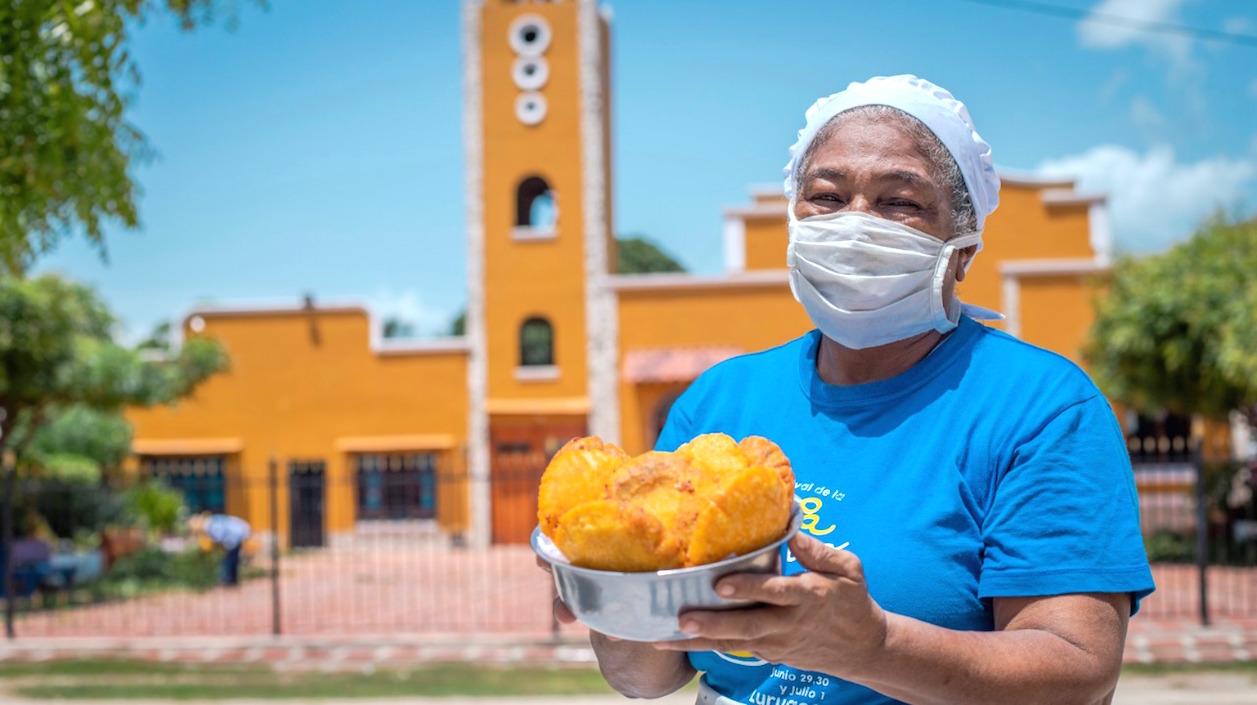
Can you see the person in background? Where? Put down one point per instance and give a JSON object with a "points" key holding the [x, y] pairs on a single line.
{"points": [[227, 532]]}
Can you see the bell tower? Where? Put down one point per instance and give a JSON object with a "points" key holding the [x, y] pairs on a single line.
{"points": [[540, 321]]}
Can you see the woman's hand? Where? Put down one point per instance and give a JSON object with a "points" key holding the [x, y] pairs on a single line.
{"points": [[823, 620]]}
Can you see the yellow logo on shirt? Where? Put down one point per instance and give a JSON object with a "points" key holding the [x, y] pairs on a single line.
{"points": [[811, 506]]}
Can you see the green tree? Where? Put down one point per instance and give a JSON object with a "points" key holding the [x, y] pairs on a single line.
{"points": [[66, 148], [64, 380], [395, 327], [1178, 330], [80, 441], [458, 326], [637, 255]]}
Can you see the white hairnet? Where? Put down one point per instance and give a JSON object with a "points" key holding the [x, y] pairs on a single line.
{"points": [[938, 109]]}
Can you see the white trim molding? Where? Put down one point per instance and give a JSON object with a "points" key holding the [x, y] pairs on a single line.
{"points": [[529, 233], [600, 305], [1070, 197], [477, 365], [1012, 177], [735, 244], [439, 346], [1101, 233], [536, 373], [1050, 267], [1010, 304]]}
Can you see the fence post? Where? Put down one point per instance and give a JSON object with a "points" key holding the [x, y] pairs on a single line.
{"points": [[1202, 533], [9, 599], [273, 482]]}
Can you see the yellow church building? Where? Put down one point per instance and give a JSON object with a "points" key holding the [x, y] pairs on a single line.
{"points": [[457, 431]]}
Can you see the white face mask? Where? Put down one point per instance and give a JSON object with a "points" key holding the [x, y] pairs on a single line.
{"points": [[866, 281]]}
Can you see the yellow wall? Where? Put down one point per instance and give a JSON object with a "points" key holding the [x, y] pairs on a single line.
{"points": [[1051, 309], [292, 397], [746, 317], [766, 239]]}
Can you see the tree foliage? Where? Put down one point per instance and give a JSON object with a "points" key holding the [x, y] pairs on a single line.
{"points": [[1178, 331], [637, 255], [66, 78], [64, 380], [395, 327]]}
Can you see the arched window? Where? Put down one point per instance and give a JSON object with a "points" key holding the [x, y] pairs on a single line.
{"points": [[535, 205], [536, 343]]}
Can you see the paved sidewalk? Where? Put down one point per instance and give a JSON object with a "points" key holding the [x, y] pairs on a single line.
{"points": [[1188, 689]]}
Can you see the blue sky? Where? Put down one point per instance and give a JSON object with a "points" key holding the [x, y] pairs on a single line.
{"points": [[317, 147]]}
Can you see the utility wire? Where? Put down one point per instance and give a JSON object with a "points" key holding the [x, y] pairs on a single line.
{"points": [[1043, 8]]}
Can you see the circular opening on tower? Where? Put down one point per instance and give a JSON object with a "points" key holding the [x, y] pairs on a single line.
{"points": [[530, 72], [529, 35], [530, 108]]}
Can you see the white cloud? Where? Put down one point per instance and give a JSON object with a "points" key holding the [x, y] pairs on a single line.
{"points": [[1155, 201], [409, 308], [1095, 32]]}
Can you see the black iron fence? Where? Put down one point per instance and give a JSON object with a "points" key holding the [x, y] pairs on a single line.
{"points": [[389, 544], [1199, 522], [386, 547]]}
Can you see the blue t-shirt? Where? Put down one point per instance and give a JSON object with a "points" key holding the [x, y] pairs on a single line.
{"points": [[991, 468]]}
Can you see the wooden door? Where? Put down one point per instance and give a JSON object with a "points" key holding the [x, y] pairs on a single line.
{"points": [[519, 454]]}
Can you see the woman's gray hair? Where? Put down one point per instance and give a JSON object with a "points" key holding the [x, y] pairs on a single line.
{"points": [[946, 171]]}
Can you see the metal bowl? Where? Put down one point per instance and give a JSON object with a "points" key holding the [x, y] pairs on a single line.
{"points": [[646, 606]]}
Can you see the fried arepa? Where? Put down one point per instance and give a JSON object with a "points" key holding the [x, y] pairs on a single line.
{"points": [[578, 473], [711, 499]]}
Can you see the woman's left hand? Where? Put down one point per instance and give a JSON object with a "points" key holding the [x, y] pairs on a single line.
{"points": [[823, 620]]}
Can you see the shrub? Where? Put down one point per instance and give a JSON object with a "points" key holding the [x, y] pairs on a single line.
{"points": [[156, 506], [1167, 546], [151, 569]]}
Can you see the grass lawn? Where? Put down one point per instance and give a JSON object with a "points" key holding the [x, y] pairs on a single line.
{"points": [[1174, 669], [106, 679], [123, 680]]}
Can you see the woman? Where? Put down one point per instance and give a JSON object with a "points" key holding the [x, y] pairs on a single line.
{"points": [[971, 531]]}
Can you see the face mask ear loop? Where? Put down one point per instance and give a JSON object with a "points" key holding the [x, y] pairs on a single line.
{"points": [[943, 318], [977, 247], [938, 309]]}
